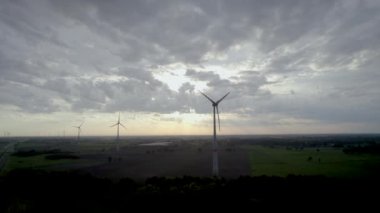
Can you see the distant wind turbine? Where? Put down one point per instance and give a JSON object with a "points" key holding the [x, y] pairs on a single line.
{"points": [[79, 130], [215, 163], [118, 125]]}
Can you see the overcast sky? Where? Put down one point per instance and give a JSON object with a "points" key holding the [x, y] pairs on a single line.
{"points": [[292, 66]]}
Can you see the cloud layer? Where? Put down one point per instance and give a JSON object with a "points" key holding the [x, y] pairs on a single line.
{"points": [[299, 61]]}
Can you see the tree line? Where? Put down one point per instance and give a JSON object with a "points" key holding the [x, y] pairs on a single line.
{"points": [[41, 191]]}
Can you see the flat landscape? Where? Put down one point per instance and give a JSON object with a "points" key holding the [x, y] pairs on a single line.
{"points": [[100, 174], [176, 156], [330, 162]]}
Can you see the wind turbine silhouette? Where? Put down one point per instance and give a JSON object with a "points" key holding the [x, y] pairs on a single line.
{"points": [[79, 129], [118, 125], [215, 163]]}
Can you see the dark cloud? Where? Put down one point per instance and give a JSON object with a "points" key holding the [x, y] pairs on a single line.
{"points": [[313, 59], [27, 98]]}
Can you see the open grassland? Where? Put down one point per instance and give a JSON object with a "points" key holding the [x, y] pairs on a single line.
{"points": [[33, 162], [330, 162], [52, 156], [144, 157], [138, 160], [101, 175]]}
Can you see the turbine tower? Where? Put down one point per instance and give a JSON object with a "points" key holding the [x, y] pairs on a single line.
{"points": [[118, 125], [215, 163], [79, 129]]}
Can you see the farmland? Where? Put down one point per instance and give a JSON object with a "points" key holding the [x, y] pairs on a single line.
{"points": [[174, 156], [330, 162], [99, 174]]}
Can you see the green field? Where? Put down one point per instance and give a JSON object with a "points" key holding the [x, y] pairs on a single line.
{"points": [[38, 161], [101, 157], [331, 162]]}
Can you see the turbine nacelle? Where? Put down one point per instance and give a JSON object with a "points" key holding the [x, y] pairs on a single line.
{"points": [[215, 104]]}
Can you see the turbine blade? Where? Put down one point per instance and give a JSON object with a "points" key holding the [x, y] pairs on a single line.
{"points": [[208, 98], [81, 124], [123, 126], [119, 118], [217, 111], [222, 98], [114, 125]]}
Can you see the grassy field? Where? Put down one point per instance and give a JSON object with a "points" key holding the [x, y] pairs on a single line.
{"points": [[331, 162], [133, 160], [193, 157], [38, 161]]}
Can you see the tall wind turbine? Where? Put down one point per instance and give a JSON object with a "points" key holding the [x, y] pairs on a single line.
{"points": [[118, 125], [79, 129], [215, 163]]}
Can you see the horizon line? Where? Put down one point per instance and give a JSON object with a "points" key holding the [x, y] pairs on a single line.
{"points": [[178, 135]]}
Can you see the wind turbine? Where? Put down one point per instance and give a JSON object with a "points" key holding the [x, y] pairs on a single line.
{"points": [[79, 129], [118, 125], [215, 163]]}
